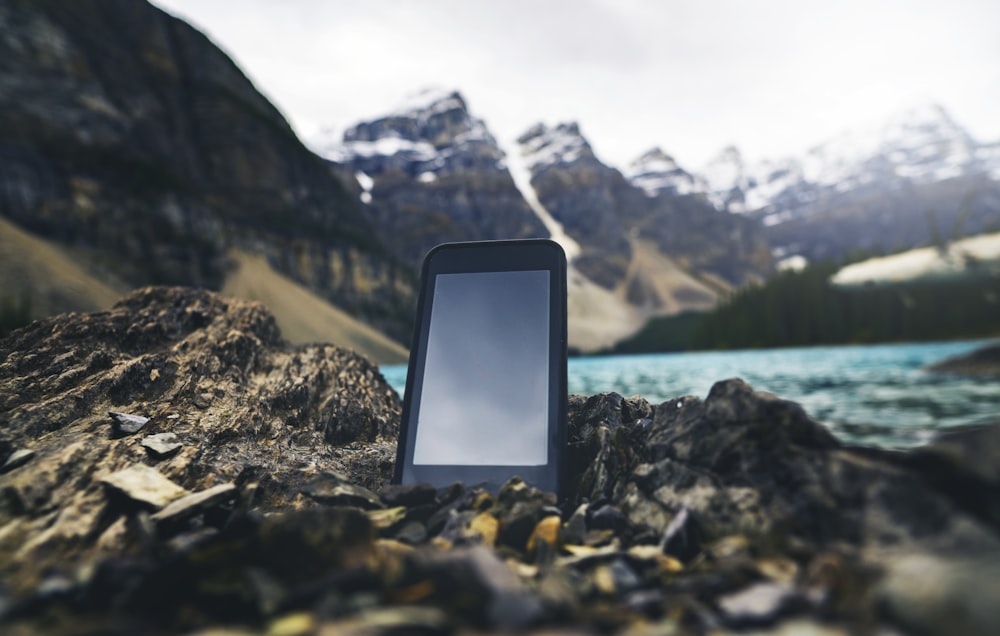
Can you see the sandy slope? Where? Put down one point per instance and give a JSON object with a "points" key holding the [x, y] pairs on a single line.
{"points": [[654, 285], [302, 315], [53, 280]]}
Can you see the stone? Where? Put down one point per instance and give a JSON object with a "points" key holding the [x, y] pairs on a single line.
{"points": [[939, 594], [189, 505], [17, 459], [162, 444], [607, 517], [737, 512], [390, 620], [297, 624], [330, 491], [680, 537], [546, 531], [575, 528], [409, 495], [412, 533], [387, 518], [144, 485], [475, 583], [758, 604], [486, 526], [127, 423]]}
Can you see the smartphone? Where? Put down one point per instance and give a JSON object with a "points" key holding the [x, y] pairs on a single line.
{"points": [[486, 385]]}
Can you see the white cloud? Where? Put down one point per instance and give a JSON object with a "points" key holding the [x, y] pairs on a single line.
{"points": [[771, 76]]}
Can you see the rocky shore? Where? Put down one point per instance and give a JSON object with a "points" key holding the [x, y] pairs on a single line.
{"points": [[982, 361], [171, 465]]}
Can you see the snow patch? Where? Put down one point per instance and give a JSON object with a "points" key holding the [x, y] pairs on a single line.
{"points": [[971, 256], [522, 180]]}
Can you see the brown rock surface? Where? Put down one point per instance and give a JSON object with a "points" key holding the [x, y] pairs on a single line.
{"points": [[212, 371], [734, 512]]}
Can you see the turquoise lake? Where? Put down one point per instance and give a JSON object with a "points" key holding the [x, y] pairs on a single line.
{"points": [[871, 394]]}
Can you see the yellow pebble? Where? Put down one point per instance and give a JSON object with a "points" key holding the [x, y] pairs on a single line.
{"points": [[547, 530], [292, 625], [486, 526]]}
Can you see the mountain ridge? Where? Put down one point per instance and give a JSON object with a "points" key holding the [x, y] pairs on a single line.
{"points": [[128, 136]]}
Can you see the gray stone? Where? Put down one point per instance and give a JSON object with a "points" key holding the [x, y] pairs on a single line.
{"points": [[127, 423], [757, 604], [162, 444], [190, 505], [935, 594], [328, 491], [144, 485]]}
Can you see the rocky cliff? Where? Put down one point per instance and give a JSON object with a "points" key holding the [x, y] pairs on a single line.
{"points": [[130, 138], [607, 213], [171, 465]]}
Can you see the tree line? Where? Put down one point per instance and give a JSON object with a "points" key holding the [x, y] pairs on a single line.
{"points": [[802, 308]]}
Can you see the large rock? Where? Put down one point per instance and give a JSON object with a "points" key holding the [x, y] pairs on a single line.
{"points": [[211, 371], [734, 512]]}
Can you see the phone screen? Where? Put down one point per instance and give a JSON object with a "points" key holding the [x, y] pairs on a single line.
{"points": [[486, 385], [485, 394]]}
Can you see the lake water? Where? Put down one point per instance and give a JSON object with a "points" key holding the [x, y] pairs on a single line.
{"points": [[872, 394]]}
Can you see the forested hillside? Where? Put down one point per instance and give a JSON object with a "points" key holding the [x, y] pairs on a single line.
{"points": [[803, 308]]}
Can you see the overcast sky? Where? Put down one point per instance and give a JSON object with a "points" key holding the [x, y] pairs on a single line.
{"points": [[772, 77]]}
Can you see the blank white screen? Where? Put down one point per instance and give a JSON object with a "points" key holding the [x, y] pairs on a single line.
{"points": [[484, 399]]}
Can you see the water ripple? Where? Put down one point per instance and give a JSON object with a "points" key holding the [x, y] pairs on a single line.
{"points": [[877, 394]]}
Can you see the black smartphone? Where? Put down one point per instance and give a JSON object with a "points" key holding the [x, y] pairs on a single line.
{"points": [[486, 386]]}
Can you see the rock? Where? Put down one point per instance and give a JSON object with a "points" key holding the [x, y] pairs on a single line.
{"points": [[546, 531], [329, 491], [144, 485], [607, 517], [734, 512], [279, 416], [474, 583], [387, 518], [982, 361], [17, 459], [759, 604], [392, 620], [938, 594], [189, 505], [126, 423], [162, 444], [410, 495], [487, 527]]}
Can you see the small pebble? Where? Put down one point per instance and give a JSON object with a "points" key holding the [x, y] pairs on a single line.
{"points": [[127, 423], [17, 459]]}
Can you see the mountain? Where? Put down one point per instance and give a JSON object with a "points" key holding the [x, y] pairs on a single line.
{"points": [[582, 194], [620, 221], [129, 138], [914, 179], [430, 172]]}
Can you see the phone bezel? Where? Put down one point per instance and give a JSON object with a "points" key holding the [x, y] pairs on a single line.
{"points": [[489, 256]]}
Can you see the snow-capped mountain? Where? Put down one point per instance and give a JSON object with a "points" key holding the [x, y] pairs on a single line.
{"points": [[625, 224], [881, 186], [655, 172], [431, 132], [430, 171], [918, 145]]}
